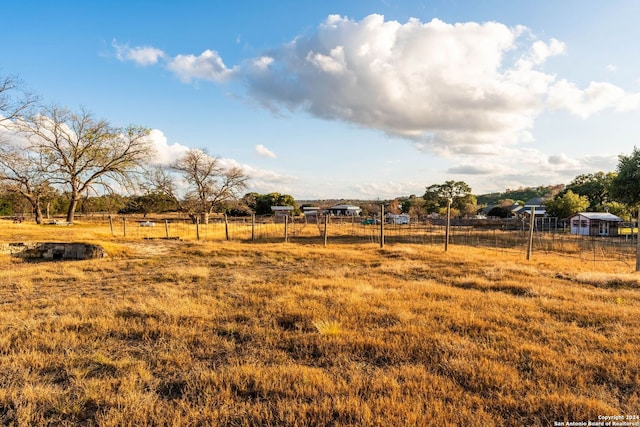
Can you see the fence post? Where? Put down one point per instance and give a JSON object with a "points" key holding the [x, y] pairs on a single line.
{"points": [[286, 228], [326, 229], [531, 224], [124, 227], [253, 227], [166, 228], [197, 228], [382, 226], [448, 228], [111, 224], [226, 227], [637, 242]]}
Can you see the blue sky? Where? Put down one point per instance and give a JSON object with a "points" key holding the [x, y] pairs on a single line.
{"points": [[349, 99]]}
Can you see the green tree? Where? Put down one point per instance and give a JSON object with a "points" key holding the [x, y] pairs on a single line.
{"points": [[563, 206], [414, 206], [261, 203], [595, 186], [459, 192], [625, 186]]}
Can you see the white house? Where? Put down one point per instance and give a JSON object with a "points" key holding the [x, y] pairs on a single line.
{"points": [[594, 224], [398, 219], [344, 210]]}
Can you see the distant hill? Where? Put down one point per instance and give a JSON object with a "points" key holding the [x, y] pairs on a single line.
{"points": [[521, 194]]}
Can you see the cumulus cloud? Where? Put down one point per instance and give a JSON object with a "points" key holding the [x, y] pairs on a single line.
{"points": [[443, 85], [596, 97], [206, 66], [264, 151], [165, 153], [459, 88], [141, 55], [263, 180]]}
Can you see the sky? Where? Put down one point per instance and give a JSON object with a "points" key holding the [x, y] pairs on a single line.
{"points": [[328, 99]]}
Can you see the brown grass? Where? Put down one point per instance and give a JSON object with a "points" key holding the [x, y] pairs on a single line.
{"points": [[227, 333]]}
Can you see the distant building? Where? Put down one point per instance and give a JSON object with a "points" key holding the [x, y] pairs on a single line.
{"points": [[537, 203], [398, 218], [311, 213], [311, 210], [344, 210], [594, 224], [280, 212]]}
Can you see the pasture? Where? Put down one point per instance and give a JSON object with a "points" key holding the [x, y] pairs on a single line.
{"points": [[240, 333]]}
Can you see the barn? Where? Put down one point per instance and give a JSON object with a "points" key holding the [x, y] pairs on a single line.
{"points": [[594, 224]]}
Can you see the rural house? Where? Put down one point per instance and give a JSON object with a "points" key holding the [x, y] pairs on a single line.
{"points": [[344, 210], [282, 212], [537, 203], [594, 224]]}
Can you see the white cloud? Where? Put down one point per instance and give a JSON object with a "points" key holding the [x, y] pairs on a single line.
{"points": [[464, 88], [387, 190], [596, 97], [469, 169], [527, 167], [259, 176], [264, 151], [207, 66], [165, 154], [141, 55], [444, 85]]}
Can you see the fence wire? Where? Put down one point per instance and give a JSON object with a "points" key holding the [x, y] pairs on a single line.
{"points": [[507, 236]]}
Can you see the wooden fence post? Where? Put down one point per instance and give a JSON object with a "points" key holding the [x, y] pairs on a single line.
{"points": [[382, 226], [226, 227], [124, 227], [111, 224], [166, 227], [637, 242], [326, 229], [531, 226], [197, 228], [448, 228], [253, 227], [286, 228]]}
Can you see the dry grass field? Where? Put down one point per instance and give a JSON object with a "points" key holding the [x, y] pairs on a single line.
{"points": [[190, 333]]}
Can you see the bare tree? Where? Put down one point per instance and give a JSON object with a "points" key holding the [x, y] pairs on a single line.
{"points": [[85, 153], [15, 101], [208, 184], [24, 173]]}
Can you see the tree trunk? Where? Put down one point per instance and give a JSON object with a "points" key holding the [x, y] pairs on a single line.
{"points": [[37, 210], [204, 218], [73, 203]]}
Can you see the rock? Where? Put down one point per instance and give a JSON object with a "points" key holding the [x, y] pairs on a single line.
{"points": [[57, 251]]}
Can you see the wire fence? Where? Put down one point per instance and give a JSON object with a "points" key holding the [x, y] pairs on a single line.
{"points": [[501, 236]]}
